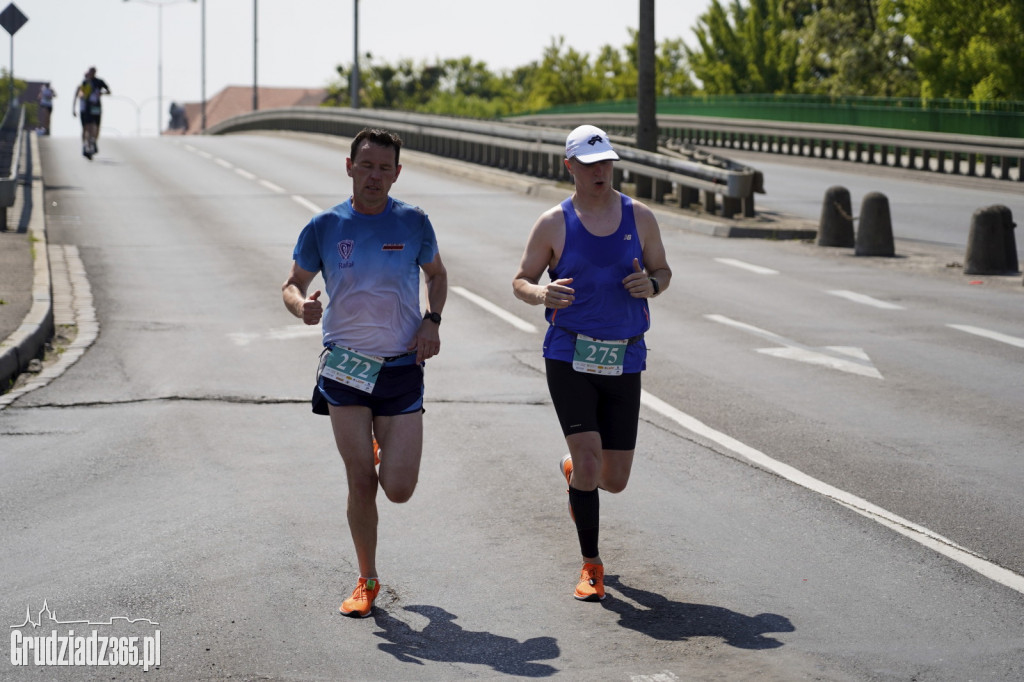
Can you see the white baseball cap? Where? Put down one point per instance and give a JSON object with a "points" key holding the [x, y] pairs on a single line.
{"points": [[589, 144]]}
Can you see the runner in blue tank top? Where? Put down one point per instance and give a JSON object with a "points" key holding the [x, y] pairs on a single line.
{"points": [[370, 250], [605, 258]]}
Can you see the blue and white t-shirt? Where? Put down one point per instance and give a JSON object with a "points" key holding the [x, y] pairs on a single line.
{"points": [[371, 268]]}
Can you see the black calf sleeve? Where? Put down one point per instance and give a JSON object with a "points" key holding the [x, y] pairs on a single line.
{"points": [[586, 509]]}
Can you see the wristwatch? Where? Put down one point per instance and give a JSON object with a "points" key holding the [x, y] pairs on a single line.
{"points": [[657, 287], [433, 317]]}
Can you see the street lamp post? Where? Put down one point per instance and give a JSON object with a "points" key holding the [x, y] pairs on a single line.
{"points": [[160, 55], [353, 85]]}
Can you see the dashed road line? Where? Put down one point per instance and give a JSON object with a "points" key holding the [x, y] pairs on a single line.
{"points": [[864, 299], [743, 265], [271, 186], [497, 311], [303, 201], [989, 334]]}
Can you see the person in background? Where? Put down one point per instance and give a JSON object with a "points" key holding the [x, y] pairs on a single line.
{"points": [[87, 104], [46, 95]]}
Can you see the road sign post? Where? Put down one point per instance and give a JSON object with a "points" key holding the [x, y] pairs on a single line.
{"points": [[12, 19]]}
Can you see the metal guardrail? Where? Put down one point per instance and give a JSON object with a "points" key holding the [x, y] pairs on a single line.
{"points": [[999, 158], [528, 149], [11, 140]]}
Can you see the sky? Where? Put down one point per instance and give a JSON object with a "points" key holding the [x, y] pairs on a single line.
{"points": [[299, 43]]}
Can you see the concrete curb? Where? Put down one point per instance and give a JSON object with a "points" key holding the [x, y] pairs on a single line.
{"points": [[27, 342]]}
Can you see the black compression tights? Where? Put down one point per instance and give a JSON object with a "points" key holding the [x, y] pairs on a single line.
{"points": [[586, 508]]}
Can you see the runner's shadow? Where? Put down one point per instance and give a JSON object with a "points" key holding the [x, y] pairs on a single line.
{"points": [[660, 618], [444, 641]]}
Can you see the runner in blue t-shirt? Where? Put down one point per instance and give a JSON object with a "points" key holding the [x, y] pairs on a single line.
{"points": [[370, 250], [605, 258]]}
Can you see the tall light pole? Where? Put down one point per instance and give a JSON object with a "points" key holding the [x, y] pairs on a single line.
{"points": [[353, 85], [202, 94], [647, 119], [160, 55], [255, 33]]}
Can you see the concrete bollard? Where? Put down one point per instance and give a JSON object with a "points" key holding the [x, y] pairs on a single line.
{"points": [[874, 230], [991, 247], [1012, 263], [836, 226]]}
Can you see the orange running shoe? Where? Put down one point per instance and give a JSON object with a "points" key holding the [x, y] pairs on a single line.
{"points": [[591, 584], [565, 466], [360, 603], [376, 453]]}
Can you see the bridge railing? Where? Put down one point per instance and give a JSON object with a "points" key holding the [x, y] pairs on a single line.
{"points": [[526, 149], [11, 140], [1000, 158]]}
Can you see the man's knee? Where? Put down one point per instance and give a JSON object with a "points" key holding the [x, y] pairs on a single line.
{"points": [[615, 485], [399, 484]]}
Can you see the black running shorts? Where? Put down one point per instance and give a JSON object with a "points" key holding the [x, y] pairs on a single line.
{"points": [[594, 402]]}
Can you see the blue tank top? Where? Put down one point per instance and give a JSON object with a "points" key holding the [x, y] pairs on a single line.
{"points": [[602, 309]]}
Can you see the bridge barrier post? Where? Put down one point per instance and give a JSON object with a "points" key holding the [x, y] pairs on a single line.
{"points": [[731, 206], [874, 230], [686, 195], [836, 225], [991, 243], [710, 202]]}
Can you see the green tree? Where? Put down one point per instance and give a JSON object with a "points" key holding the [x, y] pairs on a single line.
{"points": [[746, 48], [466, 87], [968, 48], [854, 47]]}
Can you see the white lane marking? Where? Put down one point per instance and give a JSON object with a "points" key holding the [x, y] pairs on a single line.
{"points": [[292, 331], [988, 334], [303, 201], [501, 313], [663, 676], [747, 266], [272, 187], [251, 176], [866, 300], [903, 526], [842, 358]]}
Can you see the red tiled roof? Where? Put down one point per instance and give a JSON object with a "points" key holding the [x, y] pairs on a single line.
{"points": [[237, 99]]}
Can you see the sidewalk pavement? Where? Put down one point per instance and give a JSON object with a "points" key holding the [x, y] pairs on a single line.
{"points": [[26, 301]]}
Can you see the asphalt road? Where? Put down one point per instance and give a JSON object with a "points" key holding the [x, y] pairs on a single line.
{"points": [[827, 484]]}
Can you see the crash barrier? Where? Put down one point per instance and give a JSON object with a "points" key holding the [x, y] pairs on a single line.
{"points": [[11, 134], [991, 246], [999, 158], [528, 149]]}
